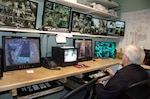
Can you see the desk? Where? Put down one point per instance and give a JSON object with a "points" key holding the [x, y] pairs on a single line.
{"points": [[20, 78]]}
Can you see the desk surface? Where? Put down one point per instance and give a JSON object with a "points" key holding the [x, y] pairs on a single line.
{"points": [[19, 78]]}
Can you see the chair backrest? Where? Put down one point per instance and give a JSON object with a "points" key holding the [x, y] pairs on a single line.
{"points": [[139, 90]]}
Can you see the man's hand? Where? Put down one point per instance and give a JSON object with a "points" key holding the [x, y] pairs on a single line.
{"points": [[110, 72]]}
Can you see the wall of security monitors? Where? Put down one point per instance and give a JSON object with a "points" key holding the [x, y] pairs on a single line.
{"points": [[56, 18]]}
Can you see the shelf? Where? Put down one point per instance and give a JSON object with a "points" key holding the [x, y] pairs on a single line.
{"points": [[26, 30], [85, 9], [106, 3], [52, 33], [89, 35]]}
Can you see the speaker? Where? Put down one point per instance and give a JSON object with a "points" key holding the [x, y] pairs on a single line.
{"points": [[1, 63]]}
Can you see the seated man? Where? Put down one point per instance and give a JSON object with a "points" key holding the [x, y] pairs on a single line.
{"points": [[131, 73]]}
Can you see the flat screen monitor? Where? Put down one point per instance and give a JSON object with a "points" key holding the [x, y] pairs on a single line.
{"points": [[104, 49], [98, 26], [81, 22], [21, 52], [84, 48], [18, 13], [116, 28], [56, 17], [65, 56]]}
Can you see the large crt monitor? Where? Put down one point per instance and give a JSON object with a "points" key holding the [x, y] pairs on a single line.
{"points": [[84, 48], [65, 56], [21, 52], [104, 49]]}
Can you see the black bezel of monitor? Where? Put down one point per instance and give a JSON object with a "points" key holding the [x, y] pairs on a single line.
{"points": [[85, 22], [11, 67], [51, 26], [82, 56], [98, 27], [104, 52], [24, 16]]}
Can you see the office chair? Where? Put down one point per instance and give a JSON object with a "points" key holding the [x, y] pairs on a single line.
{"points": [[139, 90]]}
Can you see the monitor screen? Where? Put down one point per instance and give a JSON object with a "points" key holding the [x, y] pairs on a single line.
{"points": [[56, 17], [84, 48], [104, 49], [81, 22], [18, 13], [70, 55], [21, 51], [98, 26], [116, 28], [120, 28]]}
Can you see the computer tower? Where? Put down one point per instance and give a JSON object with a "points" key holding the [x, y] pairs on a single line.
{"points": [[1, 63]]}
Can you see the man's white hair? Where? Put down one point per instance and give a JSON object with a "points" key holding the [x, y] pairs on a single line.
{"points": [[136, 54]]}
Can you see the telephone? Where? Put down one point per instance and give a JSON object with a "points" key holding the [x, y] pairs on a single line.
{"points": [[48, 63]]}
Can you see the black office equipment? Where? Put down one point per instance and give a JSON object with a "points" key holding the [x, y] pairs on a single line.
{"points": [[146, 60], [65, 56], [21, 52], [1, 63], [49, 63], [37, 90]]}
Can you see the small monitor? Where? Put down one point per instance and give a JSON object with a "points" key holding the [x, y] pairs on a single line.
{"points": [[84, 48], [105, 49], [65, 56], [21, 52], [56, 17], [115, 28]]}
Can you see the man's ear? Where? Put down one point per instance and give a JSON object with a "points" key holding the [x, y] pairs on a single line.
{"points": [[127, 59]]}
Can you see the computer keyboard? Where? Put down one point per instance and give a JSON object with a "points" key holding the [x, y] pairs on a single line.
{"points": [[95, 74]]}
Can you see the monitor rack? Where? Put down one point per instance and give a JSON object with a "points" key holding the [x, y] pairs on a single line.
{"points": [[37, 90]]}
